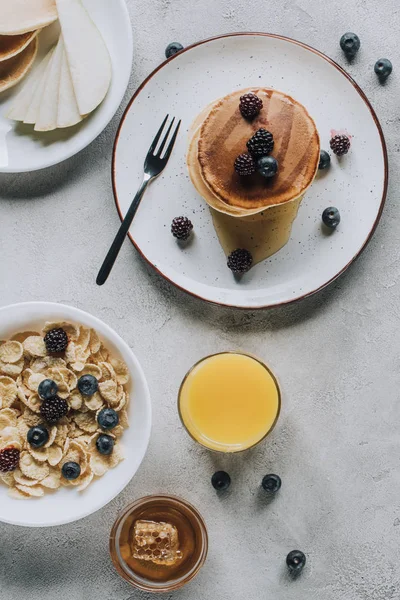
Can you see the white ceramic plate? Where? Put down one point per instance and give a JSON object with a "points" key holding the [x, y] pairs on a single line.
{"points": [[357, 184], [21, 148], [68, 505]]}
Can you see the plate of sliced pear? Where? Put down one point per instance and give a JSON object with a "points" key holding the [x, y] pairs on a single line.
{"points": [[64, 69]]}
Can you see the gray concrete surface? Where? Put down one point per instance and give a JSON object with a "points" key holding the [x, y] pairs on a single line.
{"points": [[337, 356]]}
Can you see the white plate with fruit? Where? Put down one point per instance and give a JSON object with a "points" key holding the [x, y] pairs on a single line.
{"points": [[307, 102], [64, 69], [75, 414]]}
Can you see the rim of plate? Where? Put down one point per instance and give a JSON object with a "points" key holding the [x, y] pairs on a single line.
{"points": [[102, 125], [100, 504], [364, 98]]}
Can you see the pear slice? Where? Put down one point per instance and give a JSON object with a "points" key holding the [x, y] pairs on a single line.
{"points": [[34, 106], [47, 115], [20, 105], [88, 58], [21, 16], [68, 112]]}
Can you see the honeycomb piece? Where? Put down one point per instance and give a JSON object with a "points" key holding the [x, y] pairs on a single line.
{"points": [[156, 542]]}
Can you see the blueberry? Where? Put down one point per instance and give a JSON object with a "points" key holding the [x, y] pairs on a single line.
{"points": [[221, 481], [37, 436], [350, 44], [105, 444], [296, 561], [47, 389], [271, 483], [383, 68], [267, 166], [88, 385], [71, 470], [172, 49], [331, 217], [324, 160], [108, 418]]}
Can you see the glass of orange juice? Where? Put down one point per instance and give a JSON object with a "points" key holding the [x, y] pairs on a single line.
{"points": [[229, 402]]}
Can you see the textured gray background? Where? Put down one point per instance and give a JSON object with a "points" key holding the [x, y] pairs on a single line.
{"points": [[337, 356]]}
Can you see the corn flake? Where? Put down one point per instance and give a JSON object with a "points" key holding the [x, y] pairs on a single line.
{"points": [[108, 389], [35, 346], [12, 369], [121, 370], [32, 468], [11, 352]]}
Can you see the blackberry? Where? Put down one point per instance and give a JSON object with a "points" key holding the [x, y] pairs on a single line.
{"points": [[240, 261], [261, 144], [56, 340], [53, 409], [181, 228], [250, 105], [245, 165], [340, 144], [9, 459]]}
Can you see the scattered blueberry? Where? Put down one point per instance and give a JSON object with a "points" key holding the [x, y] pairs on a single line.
{"points": [[271, 483], [108, 418], [71, 470], [47, 389], [296, 561], [221, 481], [383, 68], [350, 44], [267, 166], [88, 385], [172, 49], [105, 444], [37, 436], [324, 160], [331, 217]]}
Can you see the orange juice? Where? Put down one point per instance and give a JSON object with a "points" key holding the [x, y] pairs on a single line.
{"points": [[229, 402]]}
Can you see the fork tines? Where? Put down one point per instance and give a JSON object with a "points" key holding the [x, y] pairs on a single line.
{"points": [[161, 147]]}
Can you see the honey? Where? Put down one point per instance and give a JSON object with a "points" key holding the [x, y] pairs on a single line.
{"points": [[159, 543]]}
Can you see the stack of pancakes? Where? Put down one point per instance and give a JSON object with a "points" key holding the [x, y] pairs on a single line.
{"points": [[253, 212], [20, 22]]}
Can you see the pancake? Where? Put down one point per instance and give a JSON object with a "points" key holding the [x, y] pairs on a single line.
{"points": [[11, 45], [21, 16], [262, 234], [223, 134], [14, 69], [265, 229]]}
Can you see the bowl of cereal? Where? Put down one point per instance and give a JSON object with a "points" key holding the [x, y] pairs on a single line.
{"points": [[75, 414]]}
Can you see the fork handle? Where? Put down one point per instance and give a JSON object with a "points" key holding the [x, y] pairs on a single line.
{"points": [[121, 235]]}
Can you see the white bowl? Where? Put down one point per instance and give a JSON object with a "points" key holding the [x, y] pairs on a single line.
{"points": [[68, 505], [21, 148]]}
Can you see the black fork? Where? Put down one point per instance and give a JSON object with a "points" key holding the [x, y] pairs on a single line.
{"points": [[154, 164]]}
